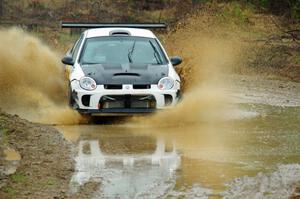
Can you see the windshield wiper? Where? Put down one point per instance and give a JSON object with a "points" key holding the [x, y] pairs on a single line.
{"points": [[156, 53], [131, 52], [89, 63]]}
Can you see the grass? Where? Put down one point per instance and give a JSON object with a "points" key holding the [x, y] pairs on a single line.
{"points": [[60, 41], [166, 15], [45, 183], [297, 59], [4, 136], [9, 190], [66, 38], [3, 132], [50, 182], [18, 178], [200, 1], [13, 192], [235, 12]]}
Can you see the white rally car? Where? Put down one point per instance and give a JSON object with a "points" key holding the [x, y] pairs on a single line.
{"points": [[117, 69]]}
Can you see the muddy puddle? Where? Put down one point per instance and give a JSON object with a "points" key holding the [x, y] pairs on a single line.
{"points": [[11, 155], [254, 153], [11, 161]]}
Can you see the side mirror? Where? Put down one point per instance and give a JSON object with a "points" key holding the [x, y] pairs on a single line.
{"points": [[68, 60], [176, 60]]}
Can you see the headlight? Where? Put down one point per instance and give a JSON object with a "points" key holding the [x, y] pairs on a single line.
{"points": [[165, 83], [88, 83]]}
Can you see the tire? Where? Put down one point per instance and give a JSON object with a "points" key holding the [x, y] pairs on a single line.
{"points": [[71, 100]]}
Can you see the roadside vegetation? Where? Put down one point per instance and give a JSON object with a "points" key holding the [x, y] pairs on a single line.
{"points": [[240, 38]]}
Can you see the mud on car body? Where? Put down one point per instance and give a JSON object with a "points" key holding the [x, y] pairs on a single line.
{"points": [[116, 69]]}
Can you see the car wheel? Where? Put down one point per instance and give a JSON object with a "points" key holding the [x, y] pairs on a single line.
{"points": [[71, 100]]}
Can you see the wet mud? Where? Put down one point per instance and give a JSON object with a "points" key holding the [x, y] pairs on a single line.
{"points": [[36, 160]]}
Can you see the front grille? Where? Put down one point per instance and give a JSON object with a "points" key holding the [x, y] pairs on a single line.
{"points": [[127, 101], [113, 86], [120, 86], [141, 86]]}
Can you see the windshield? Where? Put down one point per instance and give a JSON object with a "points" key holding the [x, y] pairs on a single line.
{"points": [[122, 50]]}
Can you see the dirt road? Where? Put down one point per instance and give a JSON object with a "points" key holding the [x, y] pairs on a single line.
{"points": [[43, 165], [253, 151]]}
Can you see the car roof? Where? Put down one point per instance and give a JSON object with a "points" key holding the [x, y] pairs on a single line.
{"points": [[102, 32]]}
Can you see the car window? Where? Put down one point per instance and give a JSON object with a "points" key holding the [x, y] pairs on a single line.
{"points": [[76, 47], [122, 50]]}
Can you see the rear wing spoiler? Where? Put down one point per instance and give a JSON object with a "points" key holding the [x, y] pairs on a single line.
{"points": [[112, 25]]}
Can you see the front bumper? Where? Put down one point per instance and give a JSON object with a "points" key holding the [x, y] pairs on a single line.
{"points": [[117, 112], [89, 102]]}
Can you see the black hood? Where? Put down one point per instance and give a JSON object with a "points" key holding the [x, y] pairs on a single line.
{"points": [[125, 73]]}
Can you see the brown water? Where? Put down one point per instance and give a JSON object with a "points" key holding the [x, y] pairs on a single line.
{"points": [[11, 161], [253, 152], [11, 155]]}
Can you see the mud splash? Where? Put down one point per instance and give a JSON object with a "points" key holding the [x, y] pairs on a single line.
{"points": [[206, 58], [32, 80]]}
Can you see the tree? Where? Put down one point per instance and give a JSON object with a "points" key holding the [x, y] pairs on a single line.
{"points": [[1, 8]]}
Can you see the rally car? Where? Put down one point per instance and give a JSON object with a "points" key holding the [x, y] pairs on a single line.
{"points": [[117, 69]]}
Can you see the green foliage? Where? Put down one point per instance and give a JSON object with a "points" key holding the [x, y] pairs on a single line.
{"points": [[3, 136], [238, 12], [289, 8], [264, 3], [18, 177], [296, 10], [297, 59], [9, 190], [65, 38], [50, 182], [200, 1], [3, 132], [235, 12]]}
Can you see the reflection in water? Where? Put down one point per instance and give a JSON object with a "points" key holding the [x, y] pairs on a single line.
{"points": [[229, 159], [129, 175]]}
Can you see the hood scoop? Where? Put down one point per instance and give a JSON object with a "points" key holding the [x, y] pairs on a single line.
{"points": [[127, 74]]}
